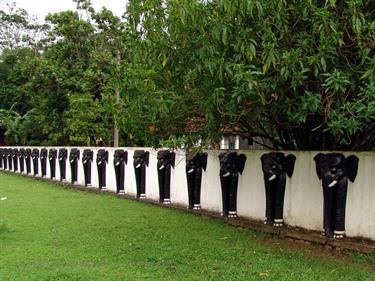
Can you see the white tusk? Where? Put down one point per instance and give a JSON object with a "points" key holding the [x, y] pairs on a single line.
{"points": [[84, 162], [227, 174], [161, 167], [71, 161], [117, 163], [139, 165], [332, 183], [99, 162], [271, 178], [190, 171]]}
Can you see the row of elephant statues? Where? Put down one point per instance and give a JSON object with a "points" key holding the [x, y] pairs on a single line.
{"points": [[334, 169]]}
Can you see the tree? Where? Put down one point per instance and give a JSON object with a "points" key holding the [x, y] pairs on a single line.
{"points": [[19, 29], [299, 73]]}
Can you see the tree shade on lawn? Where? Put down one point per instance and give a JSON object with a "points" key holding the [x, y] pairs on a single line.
{"points": [[51, 233]]}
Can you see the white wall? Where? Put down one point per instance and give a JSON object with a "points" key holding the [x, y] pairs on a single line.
{"points": [[303, 205]]}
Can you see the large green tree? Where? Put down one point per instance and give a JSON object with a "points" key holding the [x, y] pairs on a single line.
{"points": [[300, 73]]}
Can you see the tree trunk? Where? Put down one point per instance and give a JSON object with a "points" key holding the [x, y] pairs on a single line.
{"points": [[117, 93]]}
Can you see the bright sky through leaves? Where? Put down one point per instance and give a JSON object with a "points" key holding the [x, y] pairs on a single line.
{"points": [[41, 8]]}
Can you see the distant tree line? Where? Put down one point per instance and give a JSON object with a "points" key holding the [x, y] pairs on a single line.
{"points": [[176, 72]]}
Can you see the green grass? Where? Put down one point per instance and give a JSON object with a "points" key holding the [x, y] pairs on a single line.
{"points": [[48, 232]]}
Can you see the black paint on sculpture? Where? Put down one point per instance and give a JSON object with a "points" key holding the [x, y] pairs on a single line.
{"points": [[15, 154], [35, 157], [21, 156], [63, 155], [276, 166], [334, 170], [87, 158], [231, 165], [1, 158], [120, 159], [140, 162], [4, 159], [9, 159], [195, 163], [73, 160], [28, 160], [52, 155], [101, 163], [166, 160], [43, 161]]}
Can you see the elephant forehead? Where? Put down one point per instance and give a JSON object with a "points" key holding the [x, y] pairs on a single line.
{"points": [[228, 158], [139, 154], [334, 159]]}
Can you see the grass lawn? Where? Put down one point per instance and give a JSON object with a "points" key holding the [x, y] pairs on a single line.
{"points": [[48, 232]]}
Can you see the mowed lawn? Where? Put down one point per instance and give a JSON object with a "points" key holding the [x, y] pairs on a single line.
{"points": [[48, 232]]}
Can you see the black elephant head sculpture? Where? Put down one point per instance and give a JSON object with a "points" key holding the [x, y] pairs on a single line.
{"points": [[15, 156], [43, 161], [28, 160], [35, 157], [195, 163], [166, 160], [1, 158], [231, 165], [63, 155], [9, 158], [87, 158], [52, 155], [22, 154], [276, 166], [73, 160], [120, 159], [334, 169], [120, 156], [101, 163], [140, 162]]}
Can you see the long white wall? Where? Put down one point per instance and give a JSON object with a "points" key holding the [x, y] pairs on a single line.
{"points": [[303, 205]]}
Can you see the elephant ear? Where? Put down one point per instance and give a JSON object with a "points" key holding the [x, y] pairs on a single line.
{"points": [[351, 165], [173, 158], [126, 157], [203, 160], [289, 164], [241, 160], [147, 157], [264, 157], [221, 155], [319, 158]]}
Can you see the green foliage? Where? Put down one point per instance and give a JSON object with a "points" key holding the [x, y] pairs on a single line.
{"points": [[17, 127], [300, 73], [84, 121]]}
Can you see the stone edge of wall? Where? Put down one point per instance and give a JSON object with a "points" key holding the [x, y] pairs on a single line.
{"points": [[357, 244]]}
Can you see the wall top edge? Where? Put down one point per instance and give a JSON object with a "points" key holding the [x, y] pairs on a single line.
{"points": [[209, 150]]}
